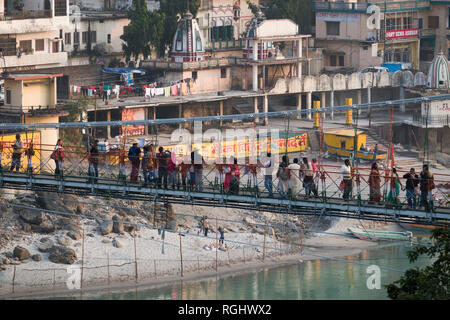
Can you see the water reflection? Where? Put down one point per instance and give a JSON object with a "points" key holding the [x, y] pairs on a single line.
{"points": [[308, 280]]}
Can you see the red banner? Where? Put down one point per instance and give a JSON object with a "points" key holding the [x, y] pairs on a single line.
{"points": [[404, 33]]}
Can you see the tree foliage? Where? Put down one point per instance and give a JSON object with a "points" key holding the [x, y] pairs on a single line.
{"points": [[432, 282], [299, 11], [143, 32]]}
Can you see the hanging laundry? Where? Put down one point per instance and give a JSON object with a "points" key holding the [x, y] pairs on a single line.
{"points": [[152, 92], [184, 90], [174, 90], [148, 93], [167, 92]]}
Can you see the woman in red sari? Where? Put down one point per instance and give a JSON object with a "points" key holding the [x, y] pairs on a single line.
{"points": [[375, 185], [232, 176]]}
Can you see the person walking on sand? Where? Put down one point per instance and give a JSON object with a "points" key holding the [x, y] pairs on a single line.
{"points": [[222, 235], [206, 226]]}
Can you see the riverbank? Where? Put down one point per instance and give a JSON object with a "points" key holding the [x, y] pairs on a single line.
{"points": [[43, 281]]}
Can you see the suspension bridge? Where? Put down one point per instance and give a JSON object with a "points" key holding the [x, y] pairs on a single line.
{"points": [[209, 190]]}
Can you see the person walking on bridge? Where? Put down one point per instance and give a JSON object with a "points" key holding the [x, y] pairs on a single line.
{"points": [[93, 160], [374, 185], [134, 156], [58, 156], [17, 153], [412, 182], [268, 172], [426, 188], [346, 176], [163, 164]]}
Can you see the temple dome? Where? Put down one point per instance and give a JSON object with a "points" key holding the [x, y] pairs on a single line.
{"points": [[439, 73], [188, 44]]}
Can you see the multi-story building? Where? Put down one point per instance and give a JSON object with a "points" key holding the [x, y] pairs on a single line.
{"points": [[31, 34], [411, 33], [341, 30], [224, 22]]}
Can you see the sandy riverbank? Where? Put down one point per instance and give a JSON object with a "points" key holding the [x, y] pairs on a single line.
{"points": [[34, 279]]}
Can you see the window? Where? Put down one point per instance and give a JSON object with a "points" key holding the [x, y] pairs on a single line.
{"points": [[179, 41], [76, 37], [198, 42], [84, 36], [433, 22], [333, 61], [222, 33], [93, 36], [194, 75], [223, 73], [55, 48], [39, 45], [407, 23], [60, 8], [25, 45], [341, 61], [332, 28], [67, 38], [8, 96], [109, 38]]}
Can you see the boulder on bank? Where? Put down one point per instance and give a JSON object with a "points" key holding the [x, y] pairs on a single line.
{"points": [[32, 216], [37, 257], [21, 253], [106, 227], [75, 235], [118, 226], [46, 245], [45, 227], [64, 255]]}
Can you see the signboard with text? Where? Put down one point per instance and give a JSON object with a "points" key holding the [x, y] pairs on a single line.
{"points": [[404, 33]]}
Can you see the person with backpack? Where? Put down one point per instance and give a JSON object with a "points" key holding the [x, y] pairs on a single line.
{"points": [[283, 177], [134, 156], [29, 153], [426, 188]]}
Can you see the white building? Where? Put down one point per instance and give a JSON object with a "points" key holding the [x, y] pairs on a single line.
{"points": [[31, 34]]}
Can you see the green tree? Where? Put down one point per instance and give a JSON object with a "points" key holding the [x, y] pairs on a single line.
{"points": [[253, 7], [299, 11], [172, 9], [75, 108], [143, 32], [432, 282]]}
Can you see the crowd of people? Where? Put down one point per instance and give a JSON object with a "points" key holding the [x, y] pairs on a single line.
{"points": [[163, 169]]}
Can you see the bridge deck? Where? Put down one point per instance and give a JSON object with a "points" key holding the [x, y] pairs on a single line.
{"points": [[210, 196]]}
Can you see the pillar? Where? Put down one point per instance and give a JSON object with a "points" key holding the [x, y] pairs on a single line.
{"points": [[316, 116], [108, 128], [323, 102], [358, 98], [255, 108], [180, 115], [299, 64], [332, 104], [146, 118], [255, 66], [266, 109], [349, 112], [308, 104], [299, 105], [154, 113], [221, 111], [255, 77], [402, 96]]}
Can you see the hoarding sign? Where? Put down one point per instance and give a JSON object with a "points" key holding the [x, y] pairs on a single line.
{"points": [[404, 33]]}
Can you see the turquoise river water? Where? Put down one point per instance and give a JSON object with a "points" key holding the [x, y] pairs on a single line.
{"points": [[308, 280]]}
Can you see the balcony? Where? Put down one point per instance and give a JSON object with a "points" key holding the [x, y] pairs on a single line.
{"points": [[25, 14], [351, 7], [404, 6], [227, 45], [35, 61], [184, 66], [427, 33]]}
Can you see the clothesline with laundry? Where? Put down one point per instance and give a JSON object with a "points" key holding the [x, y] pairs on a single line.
{"points": [[148, 90]]}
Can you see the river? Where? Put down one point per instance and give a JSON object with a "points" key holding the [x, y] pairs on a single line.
{"points": [[307, 280]]}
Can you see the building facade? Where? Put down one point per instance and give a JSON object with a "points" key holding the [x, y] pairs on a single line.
{"points": [[31, 34], [411, 33]]}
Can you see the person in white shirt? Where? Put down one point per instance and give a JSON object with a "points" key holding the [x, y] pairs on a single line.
{"points": [[346, 175], [294, 180]]}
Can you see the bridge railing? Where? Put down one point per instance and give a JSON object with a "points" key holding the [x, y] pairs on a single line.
{"points": [[295, 182]]}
